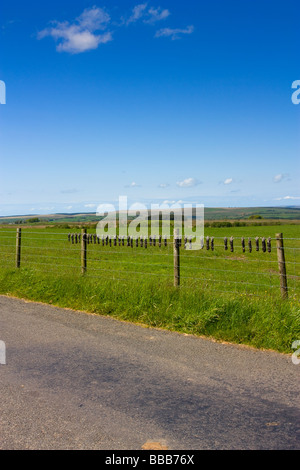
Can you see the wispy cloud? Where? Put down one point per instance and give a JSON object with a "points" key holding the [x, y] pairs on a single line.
{"points": [[91, 28], [163, 185], [80, 35], [174, 33], [188, 183], [133, 185], [167, 201], [157, 14], [137, 13], [287, 198], [148, 15], [280, 177]]}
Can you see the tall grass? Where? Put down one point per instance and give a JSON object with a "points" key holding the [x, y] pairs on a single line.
{"points": [[260, 322], [228, 296]]}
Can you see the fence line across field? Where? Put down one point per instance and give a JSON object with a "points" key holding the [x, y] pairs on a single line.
{"points": [[176, 246]]}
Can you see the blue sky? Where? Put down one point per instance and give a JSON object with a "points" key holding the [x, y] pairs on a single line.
{"points": [[159, 101]]}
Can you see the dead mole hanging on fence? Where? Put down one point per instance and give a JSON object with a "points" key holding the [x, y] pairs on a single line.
{"points": [[257, 243], [225, 244], [207, 243], [243, 244], [250, 245], [263, 244], [269, 245], [146, 242], [231, 244], [212, 244]]}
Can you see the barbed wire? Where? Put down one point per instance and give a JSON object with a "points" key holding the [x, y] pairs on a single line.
{"points": [[101, 254]]}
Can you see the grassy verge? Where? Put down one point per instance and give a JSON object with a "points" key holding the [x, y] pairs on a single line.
{"points": [[263, 322]]}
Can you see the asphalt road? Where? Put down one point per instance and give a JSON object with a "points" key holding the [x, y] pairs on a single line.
{"points": [[78, 381]]}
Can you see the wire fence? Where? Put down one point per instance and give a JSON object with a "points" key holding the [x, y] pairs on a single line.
{"points": [[236, 265]]}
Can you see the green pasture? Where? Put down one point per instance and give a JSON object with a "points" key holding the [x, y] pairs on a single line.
{"points": [[230, 296]]}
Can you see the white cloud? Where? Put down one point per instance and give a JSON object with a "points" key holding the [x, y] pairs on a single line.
{"points": [[173, 33], [137, 13], [133, 185], [188, 183], [157, 14], [287, 198], [163, 185], [137, 206], [90, 29], [280, 177], [80, 35], [91, 206], [94, 19], [150, 16], [228, 181]]}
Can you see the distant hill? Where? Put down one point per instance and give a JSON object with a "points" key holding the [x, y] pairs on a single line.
{"points": [[211, 214]]}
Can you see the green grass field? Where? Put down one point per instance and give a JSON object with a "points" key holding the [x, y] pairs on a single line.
{"points": [[229, 296]]}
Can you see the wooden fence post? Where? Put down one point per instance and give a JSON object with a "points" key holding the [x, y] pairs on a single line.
{"points": [[18, 247], [83, 251], [281, 265], [176, 259]]}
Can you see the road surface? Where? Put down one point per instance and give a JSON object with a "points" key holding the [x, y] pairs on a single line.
{"points": [[79, 381]]}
